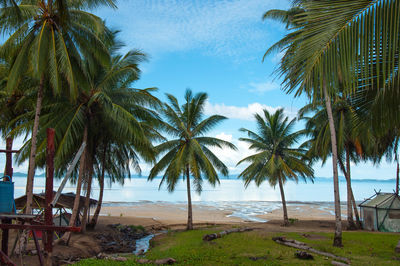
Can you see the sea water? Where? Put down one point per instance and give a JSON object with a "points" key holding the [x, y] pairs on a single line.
{"points": [[229, 190], [230, 195]]}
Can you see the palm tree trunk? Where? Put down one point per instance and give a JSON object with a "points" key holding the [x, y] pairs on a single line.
{"points": [[190, 215], [75, 210], [285, 215], [353, 201], [397, 175], [350, 221], [32, 156], [93, 222], [88, 191], [358, 221], [8, 170], [337, 240]]}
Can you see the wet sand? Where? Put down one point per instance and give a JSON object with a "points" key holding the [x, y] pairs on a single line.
{"points": [[171, 213]]}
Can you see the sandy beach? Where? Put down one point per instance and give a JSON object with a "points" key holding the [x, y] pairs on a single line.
{"points": [[176, 213]]}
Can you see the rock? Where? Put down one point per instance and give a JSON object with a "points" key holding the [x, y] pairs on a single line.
{"points": [[258, 258], [303, 255], [165, 261], [140, 252], [119, 259], [143, 261], [101, 256]]}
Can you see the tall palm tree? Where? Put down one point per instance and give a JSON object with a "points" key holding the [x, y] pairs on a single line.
{"points": [[355, 43], [53, 35], [108, 114], [189, 154], [353, 136], [276, 160], [15, 103]]}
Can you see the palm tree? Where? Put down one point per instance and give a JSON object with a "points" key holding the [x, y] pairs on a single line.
{"points": [[109, 116], [276, 159], [355, 43], [16, 103], [353, 135], [52, 35], [189, 153]]}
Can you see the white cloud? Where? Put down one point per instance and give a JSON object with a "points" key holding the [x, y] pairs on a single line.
{"points": [[230, 157], [242, 112], [260, 88], [228, 28]]}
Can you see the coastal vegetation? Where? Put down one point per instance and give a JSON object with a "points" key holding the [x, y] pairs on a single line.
{"points": [[258, 248], [346, 47], [61, 67], [276, 159], [189, 154]]}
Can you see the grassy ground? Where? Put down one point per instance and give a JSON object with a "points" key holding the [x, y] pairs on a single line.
{"points": [[257, 248]]}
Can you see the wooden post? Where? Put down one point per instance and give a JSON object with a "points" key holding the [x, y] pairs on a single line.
{"points": [[48, 215], [8, 172], [4, 239], [9, 169]]}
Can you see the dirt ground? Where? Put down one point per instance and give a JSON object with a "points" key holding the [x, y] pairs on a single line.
{"points": [[87, 245]]}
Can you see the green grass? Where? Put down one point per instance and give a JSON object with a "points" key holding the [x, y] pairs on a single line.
{"points": [[362, 248]]}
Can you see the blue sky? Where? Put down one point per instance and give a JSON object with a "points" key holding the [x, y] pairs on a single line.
{"points": [[214, 47]]}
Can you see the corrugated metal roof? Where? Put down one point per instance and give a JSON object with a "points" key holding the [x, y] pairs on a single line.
{"points": [[380, 200]]}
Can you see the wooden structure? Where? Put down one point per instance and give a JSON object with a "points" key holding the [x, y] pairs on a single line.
{"points": [[65, 202], [381, 212], [32, 222]]}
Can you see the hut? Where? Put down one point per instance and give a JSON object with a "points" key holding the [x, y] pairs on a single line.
{"points": [[65, 202], [381, 212]]}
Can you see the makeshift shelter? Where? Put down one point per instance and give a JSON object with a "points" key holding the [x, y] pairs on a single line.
{"points": [[381, 212], [65, 201]]}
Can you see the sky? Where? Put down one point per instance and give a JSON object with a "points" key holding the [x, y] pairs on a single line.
{"points": [[214, 47]]}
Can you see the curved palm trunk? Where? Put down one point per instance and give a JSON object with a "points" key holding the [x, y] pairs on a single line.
{"points": [[75, 210], [86, 207], [350, 221], [358, 221], [353, 201], [93, 222], [337, 240], [32, 156], [190, 215], [285, 215]]}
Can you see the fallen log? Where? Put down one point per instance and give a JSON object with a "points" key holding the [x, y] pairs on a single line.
{"points": [[336, 263], [301, 245], [211, 237]]}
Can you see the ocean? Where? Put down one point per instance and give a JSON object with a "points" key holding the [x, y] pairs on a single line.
{"points": [[230, 195], [230, 189]]}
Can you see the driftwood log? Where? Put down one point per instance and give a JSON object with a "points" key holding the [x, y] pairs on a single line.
{"points": [[301, 245], [211, 237], [336, 263]]}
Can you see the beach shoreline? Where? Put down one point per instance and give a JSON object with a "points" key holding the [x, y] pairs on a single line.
{"points": [[219, 212]]}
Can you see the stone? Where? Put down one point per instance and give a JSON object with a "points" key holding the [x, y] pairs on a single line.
{"points": [[303, 255], [165, 261], [143, 261], [119, 259]]}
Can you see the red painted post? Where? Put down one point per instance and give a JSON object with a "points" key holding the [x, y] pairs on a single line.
{"points": [[9, 169], [48, 214]]}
